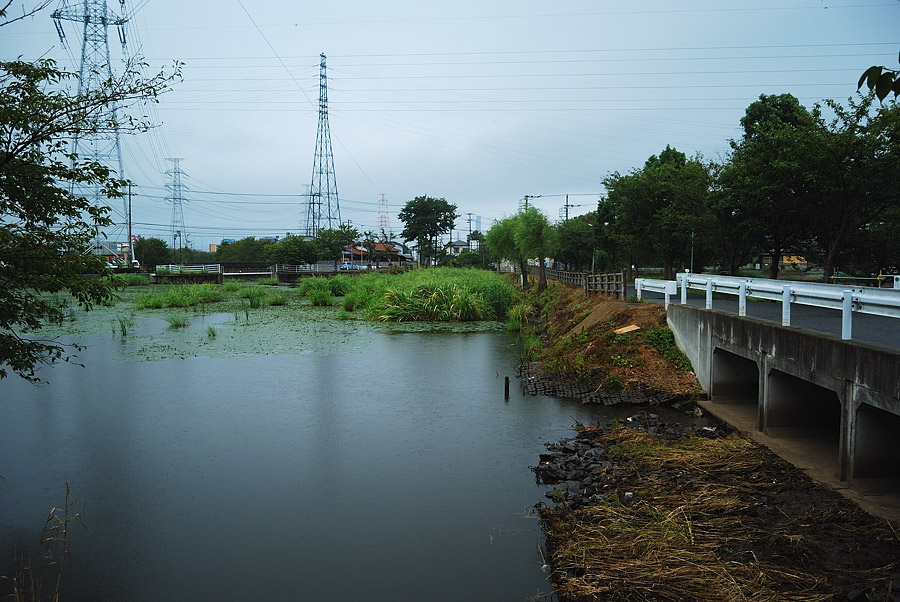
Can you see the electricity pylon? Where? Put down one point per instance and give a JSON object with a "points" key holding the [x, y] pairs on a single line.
{"points": [[176, 196], [383, 221], [100, 140], [323, 208]]}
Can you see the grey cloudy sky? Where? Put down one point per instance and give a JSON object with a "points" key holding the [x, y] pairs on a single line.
{"points": [[478, 102]]}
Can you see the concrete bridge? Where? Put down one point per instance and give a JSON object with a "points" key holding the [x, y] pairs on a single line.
{"points": [[812, 372], [829, 405]]}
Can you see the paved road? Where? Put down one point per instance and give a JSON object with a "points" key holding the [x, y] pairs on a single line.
{"points": [[877, 330]]}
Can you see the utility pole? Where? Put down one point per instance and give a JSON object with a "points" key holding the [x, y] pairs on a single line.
{"points": [[566, 207], [323, 187], [98, 139], [129, 259], [527, 198]]}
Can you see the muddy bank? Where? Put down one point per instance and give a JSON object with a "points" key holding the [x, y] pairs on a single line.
{"points": [[606, 351], [652, 511]]}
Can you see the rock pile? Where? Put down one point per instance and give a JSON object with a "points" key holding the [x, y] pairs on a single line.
{"points": [[583, 473]]}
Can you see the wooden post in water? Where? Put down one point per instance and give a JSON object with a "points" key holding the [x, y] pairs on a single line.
{"points": [[506, 388]]}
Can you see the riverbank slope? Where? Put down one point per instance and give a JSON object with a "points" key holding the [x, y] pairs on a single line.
{"points": [[650, 511]]}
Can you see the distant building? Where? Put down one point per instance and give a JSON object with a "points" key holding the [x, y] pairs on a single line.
{"points": [[457, 246]]}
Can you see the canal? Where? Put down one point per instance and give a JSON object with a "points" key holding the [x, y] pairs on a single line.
{"points": [[392, 470]]}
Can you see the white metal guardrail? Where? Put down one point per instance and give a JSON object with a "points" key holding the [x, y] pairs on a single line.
{"points": [[212, 268], [668, 288], [875, 301]]}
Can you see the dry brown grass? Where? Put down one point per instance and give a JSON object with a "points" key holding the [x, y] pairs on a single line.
{"points": [[694, 531]]}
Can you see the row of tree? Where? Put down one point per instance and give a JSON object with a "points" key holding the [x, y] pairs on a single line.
{"points": [[796, 183], [328, 245], [822, 183]]}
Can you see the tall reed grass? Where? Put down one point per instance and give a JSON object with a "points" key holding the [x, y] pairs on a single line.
{"points": [[185, 295], [440, 294]]}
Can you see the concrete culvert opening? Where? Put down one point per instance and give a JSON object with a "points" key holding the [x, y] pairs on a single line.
{"points": [[799, 410], [734, 383], [877, 447]]}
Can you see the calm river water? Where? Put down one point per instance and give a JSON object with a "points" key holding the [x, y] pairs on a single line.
{"points": [[392, 472]]}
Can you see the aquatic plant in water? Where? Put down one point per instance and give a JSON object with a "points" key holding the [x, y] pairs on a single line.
{"points": [[177, 320]]}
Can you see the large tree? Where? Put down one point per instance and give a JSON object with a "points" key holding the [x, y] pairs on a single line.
{"points": [[46, 227], [536, 237], [577, 241], [151, 252], [425, 219], [658, 207], [764, 187], [853, 174]]}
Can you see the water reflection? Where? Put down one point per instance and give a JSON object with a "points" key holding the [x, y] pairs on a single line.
{"points": [[394, 474]]}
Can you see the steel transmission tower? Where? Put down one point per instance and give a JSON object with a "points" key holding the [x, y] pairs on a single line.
{"points": [[383, 222], [176, 197], [100, 140], [323, 208]]}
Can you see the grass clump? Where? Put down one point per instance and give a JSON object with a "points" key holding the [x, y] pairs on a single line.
{"points": [[316, 283], [438, 294], [277, 298], [122, 324], [321, 298], [233, 286], [255, 296], [340, 285], [268, 281], [177, 320]]}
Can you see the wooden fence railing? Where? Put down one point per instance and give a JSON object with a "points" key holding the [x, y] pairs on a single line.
{"points": [[612, 284]]}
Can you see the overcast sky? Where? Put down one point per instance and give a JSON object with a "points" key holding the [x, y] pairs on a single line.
{"points": [[478, 102]]}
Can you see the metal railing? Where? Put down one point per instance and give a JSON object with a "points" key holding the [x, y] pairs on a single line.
{"points": [[879, 302], [296, 269], [612, 284], [212, 268]]}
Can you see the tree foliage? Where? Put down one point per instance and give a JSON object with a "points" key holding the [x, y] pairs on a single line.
{"points": [[658, 206], [292, 250], [46, 229], [425, 219], [577, 239], [523, 236], [151, 252], [330, 243], [881, 80], [247, 249]]}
